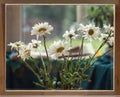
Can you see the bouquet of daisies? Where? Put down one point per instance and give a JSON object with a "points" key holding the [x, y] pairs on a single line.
{"points": [[74, 67]]}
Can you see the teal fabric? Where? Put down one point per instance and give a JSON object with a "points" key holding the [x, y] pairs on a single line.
{"points": [[19, 77], [103, 74]]}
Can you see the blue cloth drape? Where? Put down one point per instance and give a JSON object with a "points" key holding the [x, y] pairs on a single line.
{"points": [[20, 78]]}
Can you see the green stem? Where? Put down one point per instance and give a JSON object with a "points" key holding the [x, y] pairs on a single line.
{"points": [[80, 54], [100, 47], [104, 54], [81, 50], [107, 51], [70, 42], [36, 65], [80, 87], [30, 68], [38, 84], [88, 63], [65, 61], [70, 45], [43, 64], [45, 47]]}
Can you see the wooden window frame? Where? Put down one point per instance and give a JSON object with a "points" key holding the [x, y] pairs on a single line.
{"points": [[3, 90]]}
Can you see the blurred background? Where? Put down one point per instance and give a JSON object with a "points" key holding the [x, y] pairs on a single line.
{"points": [[21, 18]]}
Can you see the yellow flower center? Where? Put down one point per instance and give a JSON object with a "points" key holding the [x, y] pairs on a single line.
{"points": [[35, 45], [17, 44], [42, 30], [91, 32], [60, 49], [104, 38], [70, 35], [27, 51]]}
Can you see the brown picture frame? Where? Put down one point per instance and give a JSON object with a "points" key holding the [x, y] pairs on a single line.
{"points": [[3, 90]]}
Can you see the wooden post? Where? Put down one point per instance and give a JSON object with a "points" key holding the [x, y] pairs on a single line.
{"points": [[81, 12], [13, 24], [2, 47]]}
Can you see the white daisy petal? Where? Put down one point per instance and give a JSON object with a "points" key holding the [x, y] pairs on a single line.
{"points": [[35, 45], [70, 34], [91, 32], [24, 53], [111, 41], [16, 45], [81, 28], [58, 48], [41, 29], [108, 28]]}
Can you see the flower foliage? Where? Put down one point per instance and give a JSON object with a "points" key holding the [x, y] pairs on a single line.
{"points": [[74, 68]]}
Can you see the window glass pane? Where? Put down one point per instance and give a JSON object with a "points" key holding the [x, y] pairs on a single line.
{"points": [[61, 17], [65, 17]]}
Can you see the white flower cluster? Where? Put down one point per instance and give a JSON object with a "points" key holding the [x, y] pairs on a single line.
{"points": [[25, 51], [108, 29], [59, 48]]}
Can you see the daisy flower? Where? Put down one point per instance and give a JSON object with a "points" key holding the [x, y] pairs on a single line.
{"points": [[91, 32], [24, 53], [34, 45], [16, 45], [111, 41], [108, 28], [103, 37], [58, 48], [81, 28], [70, 34], [41, 29]]}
